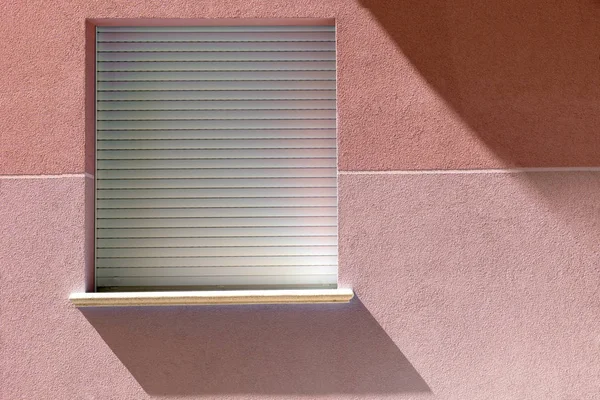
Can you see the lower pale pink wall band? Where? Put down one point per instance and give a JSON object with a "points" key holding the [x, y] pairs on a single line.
{"points": [[469, 286]]}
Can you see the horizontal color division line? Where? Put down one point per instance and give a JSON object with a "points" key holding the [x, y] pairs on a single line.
{"points": [[395, 172], [43, 176], [474, 171]]}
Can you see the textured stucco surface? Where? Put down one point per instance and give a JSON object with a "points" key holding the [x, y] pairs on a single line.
{"points": [[488, 283], [422, 84], [470, 286]]}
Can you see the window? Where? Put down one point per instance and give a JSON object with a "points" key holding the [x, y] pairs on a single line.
{"points": [[215, 157]]}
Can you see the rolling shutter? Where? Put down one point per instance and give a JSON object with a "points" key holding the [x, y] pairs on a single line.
{"points": [[216, 157]]}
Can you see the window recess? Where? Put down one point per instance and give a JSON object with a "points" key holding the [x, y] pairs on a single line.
{"points": [[216, 158]]}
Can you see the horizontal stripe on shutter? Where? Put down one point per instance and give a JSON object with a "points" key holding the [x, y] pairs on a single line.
{"points": [[243, 30], [168, 262], [178, 183], [189, 66], [249, 280], [192, 115], [254, 231], [194, 272], [224, 95], [212, 35], [223, 173], [240, 193], [177, 144], [213, 46], [232, 202], [217, 56], [219, 271], [239, 123], [220, 242], [217, 105], [216, 157], [227, 77], [216, 163], [217, 134], [210, 212]]}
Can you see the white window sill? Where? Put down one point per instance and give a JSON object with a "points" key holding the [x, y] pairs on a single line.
{"points": [[120, 299]]}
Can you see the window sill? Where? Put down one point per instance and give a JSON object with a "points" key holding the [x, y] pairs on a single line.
{"points": [[122, 299]]}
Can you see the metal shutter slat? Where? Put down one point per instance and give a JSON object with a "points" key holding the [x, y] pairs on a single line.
{"points": [[218, 173], [218, 134], [216, 232], [207, 95], [198, 143], [214, 46], [195, 115], [160, 262], [252, 192], [218, 29], [217, 85], [220, 271], [218, 124], [232, 202], [210, 212], [211, 36], [217, 105], [206, 66], [249, 251], [275, 280], [217, 56], [228, 76], [220, 242], [237, 183]]}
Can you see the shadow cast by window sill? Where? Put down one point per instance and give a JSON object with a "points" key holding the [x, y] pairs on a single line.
{"points": [[267, 349]]}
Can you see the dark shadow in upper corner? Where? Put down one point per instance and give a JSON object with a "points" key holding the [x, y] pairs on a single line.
{"points": [[268, 349], [523, 74]]}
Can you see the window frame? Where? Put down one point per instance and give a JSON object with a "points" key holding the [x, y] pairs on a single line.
{"points": [[179, 297]]}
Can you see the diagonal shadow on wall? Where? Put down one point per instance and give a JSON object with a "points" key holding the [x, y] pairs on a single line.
{"points": [[523, 74], [275, 349]]}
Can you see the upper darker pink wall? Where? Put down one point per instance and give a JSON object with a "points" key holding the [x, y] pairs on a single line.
{"points": [[422, 84], [468, 84]]}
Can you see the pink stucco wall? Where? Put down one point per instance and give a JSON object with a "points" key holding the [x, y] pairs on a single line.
{"points": [[471, 284]]}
